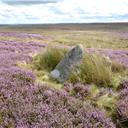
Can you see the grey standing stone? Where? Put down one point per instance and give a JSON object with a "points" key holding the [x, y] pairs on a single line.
{"points": [[66, 65]]}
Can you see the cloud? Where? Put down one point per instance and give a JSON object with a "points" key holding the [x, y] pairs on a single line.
{"points": [[63, 11], [25, 2]]}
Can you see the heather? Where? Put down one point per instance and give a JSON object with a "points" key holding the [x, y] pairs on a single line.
{"points": [[24, 104], [93, 97], [123, 102], [21, 36]]}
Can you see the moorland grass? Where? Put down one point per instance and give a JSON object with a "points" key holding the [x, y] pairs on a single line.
{"points": [[95, 66], [89, 39], [93, 69], [49, 59]]}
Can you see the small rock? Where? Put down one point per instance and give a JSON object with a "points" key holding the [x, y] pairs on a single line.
{"points": [[66, 65], [55, 73]]}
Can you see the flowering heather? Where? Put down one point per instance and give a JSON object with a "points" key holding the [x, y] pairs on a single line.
{"points": [[24, 104], [19, 47], [123, 108], [27, 104], [121, 35], [123, 103], [12, 51], [120, 56], [78, 90], [21, 35]]}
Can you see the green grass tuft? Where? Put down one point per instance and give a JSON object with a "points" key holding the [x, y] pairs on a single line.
{"points": [[93, 69], [49, 59], [108, 103]]}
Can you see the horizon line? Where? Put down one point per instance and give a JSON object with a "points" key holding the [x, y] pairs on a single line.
{"points": [[115, 22]]}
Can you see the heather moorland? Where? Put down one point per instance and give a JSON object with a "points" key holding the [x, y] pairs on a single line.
{"points": [[96, 92]]}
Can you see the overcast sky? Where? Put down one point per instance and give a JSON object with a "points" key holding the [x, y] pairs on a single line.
{"points": [[62, 11]]}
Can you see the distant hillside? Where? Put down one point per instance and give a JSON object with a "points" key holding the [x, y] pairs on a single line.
{"points": [[83, 26]]}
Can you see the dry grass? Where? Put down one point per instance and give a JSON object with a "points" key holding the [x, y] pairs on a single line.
{"points": [[93, 69]]}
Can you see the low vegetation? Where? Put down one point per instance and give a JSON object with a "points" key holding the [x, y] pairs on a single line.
{"points": [[89, 39], [93, 69], [103, 75], [93, 96], [48, 59]]}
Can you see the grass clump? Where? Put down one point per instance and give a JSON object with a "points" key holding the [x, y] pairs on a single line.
{"points": [[49, 59], [117, 67], [107, 102], [94, 90], [93, 69], [45, 62]]}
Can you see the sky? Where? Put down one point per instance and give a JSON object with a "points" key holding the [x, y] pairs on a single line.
{"points": [[62, 11]]}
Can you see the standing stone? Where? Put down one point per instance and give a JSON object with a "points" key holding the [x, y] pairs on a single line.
{"points": [[66, 65]]}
